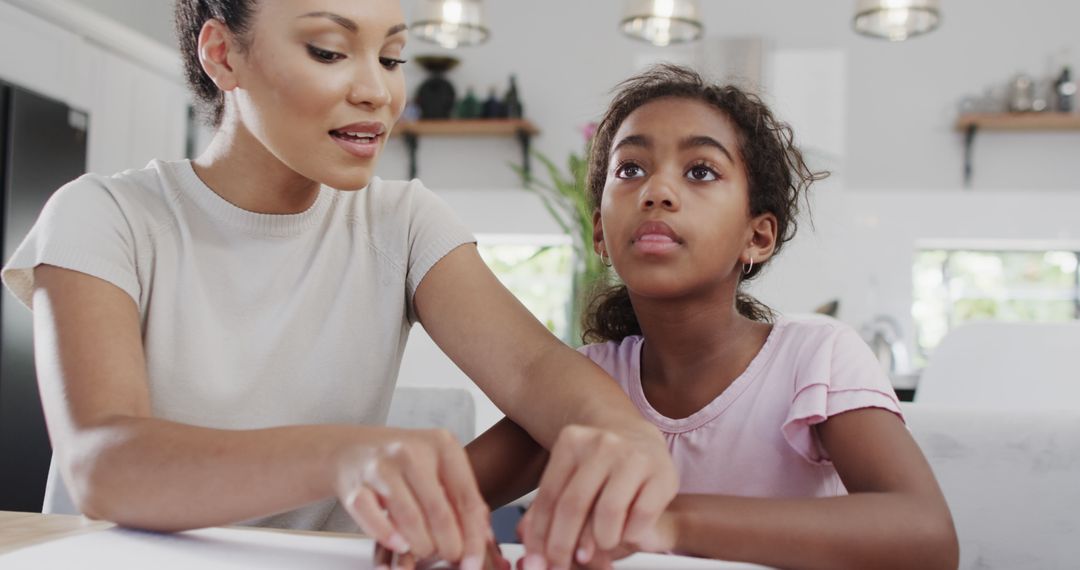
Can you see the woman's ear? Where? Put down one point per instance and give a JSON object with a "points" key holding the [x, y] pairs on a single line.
{"points": [[217, 47], [597, 233], [763, 237]]}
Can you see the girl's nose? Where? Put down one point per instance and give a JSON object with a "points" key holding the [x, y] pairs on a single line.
{"points": [[659, 193]]}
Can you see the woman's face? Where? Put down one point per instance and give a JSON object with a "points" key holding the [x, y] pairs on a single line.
{"points": [[321, 85]]}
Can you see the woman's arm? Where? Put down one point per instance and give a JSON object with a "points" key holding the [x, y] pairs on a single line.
{"points": [[123, 465], [894, 517], [608, 455]]}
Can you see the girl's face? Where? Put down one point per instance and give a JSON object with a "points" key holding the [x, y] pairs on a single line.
{"points": [[321, 85], [675, 213]]}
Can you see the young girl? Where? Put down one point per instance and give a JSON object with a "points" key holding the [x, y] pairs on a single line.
{"points": [[787, 436], [218, 340]]}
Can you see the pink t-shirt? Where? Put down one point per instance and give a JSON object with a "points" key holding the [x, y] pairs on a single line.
{"points": [[756, 438]]}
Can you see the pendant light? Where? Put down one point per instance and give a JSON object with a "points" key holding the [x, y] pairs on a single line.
{"points": [[451, 23], [662, 22], [896, 20]]}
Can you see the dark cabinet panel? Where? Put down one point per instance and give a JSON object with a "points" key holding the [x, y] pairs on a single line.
{"points": [[44, 146]]}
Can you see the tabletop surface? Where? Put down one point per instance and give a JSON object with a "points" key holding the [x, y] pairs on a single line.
{"points": [[34, 540]]}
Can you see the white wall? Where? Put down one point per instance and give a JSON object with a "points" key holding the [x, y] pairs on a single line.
{"points": [[137, 111]]}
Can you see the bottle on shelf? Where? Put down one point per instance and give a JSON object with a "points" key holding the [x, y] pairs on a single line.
{"points": [[514, 108], [1065, 91], [469, 106], [493, 108]]}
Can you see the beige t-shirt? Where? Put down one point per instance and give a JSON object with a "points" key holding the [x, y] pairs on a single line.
{"points": [[251, 320]]}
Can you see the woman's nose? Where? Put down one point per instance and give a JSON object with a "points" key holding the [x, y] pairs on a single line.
{"points": [[369, 89]]}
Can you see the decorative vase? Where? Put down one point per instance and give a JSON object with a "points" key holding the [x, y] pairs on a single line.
{"points": [[436, 95]]}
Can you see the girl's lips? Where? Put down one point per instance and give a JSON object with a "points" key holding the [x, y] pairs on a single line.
{"points": [[655, 237], [655, 243]]}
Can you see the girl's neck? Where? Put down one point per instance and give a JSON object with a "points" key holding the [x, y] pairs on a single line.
{"points": [[241, 170], [694, 350]]}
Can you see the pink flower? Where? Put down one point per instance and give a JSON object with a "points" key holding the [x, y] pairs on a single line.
{"points": [[589, 131]]}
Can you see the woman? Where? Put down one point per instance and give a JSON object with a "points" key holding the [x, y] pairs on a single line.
{"points": [[217, 340]]}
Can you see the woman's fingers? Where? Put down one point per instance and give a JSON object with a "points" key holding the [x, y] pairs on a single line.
{"points": [[365, 508], [613, 507], [472, 512], [416, 493]]}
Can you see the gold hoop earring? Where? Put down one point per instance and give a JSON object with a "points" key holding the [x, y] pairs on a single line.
{"points": [[748, 268], [605, 259]]}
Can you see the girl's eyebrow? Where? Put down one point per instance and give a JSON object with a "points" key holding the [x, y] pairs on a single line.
{"points": [[645, 142], [349, 24], [703, 140]]}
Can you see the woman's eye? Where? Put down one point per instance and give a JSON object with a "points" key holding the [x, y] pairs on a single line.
{"points": [[323, 55], [702, 174], [391, 63], [629, 171]]}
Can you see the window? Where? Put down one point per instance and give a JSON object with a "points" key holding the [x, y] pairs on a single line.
{"points": [[953, 286], [537, 270]]}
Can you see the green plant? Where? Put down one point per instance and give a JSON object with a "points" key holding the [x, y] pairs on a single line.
{"points": [[563, 195]]}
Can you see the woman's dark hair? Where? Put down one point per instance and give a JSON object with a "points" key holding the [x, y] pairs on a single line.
{"points": [[189, 17], [776, 173]]}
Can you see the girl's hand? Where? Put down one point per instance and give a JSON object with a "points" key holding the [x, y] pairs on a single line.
{"points": [[622, 481], [414, 492]]}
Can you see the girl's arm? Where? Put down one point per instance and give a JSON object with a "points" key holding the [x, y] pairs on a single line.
{"points": [[123, 465], [608, 455], [894, 517], [507, 461]]}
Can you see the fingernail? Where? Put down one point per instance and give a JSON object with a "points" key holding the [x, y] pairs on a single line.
{"points": [[582, 556], [472, 563], [534, 562], [398, 544]]}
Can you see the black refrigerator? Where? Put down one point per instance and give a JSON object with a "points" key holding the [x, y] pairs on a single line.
{"points": [[42, 147]]}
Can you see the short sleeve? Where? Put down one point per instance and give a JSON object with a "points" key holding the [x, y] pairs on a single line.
{"points": [[81, 228], [841, 375], [434, 231]]}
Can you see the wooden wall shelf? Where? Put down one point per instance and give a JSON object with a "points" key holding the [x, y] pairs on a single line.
{"points": [[522, 129], [971, 123], [1019, 121]]}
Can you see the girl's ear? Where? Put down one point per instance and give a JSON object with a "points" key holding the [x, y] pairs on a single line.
{"points": [[763, 237], [597, 232], [217, 48]]}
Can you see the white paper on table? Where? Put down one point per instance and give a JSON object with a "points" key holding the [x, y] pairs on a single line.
{"points": [[231, 548]]}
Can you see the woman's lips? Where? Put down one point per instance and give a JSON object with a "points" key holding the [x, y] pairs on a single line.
{"points": [[366, 146]]}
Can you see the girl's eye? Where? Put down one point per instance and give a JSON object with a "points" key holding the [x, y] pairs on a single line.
{"points": [[323, 55], [629, 170], [391, 63], [702, 173]]}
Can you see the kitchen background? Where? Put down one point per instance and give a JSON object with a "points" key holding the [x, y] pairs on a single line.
{"points": [[898, 238]]}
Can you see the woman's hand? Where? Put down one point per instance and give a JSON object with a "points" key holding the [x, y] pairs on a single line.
{"points": [[661, 538], [414, 492], [621, 483], [384, 560]]}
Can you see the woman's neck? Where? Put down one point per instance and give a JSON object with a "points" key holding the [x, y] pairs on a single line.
{"points": [[245, 173], [694, 349]]}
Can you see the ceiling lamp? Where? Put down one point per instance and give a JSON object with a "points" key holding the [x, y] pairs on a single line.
{"points": [[663, 22], [896, 20], [451, 23]]}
